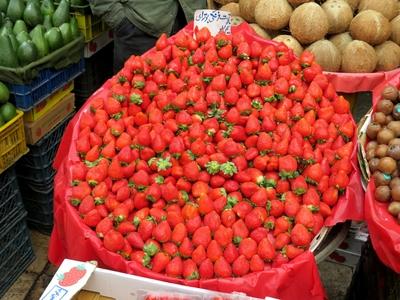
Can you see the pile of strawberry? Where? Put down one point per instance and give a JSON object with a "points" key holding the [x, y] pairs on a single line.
{"points": [[212, 157]]}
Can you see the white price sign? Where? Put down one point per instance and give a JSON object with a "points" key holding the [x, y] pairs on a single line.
{"points": [[215, 20]]}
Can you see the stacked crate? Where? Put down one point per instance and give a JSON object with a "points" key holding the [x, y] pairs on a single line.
{"points": [[16, 252]]}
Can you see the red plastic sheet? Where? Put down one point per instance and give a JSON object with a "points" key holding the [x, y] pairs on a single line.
{"points": [[298, 279], [383, 227]]}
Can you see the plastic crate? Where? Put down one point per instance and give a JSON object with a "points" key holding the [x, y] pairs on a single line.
{"points": [[16, 252], [12, 141], [26, 96], [10, 197], [44, 151], [40, 175], [91, 26]]}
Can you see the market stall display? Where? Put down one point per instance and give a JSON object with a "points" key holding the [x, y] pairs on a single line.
{"points": [[204, 172]]}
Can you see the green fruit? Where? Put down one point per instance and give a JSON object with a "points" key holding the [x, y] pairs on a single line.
{"points": [[61, 14], [27, 53], [47, 8], [74, 28], [3, 5], [15, 10], [13, 41], [47, 22], [66, 33], [23, 37], [8, 57], [4, 93], [7, 111], [19, 26], [6, 29], [32, 14], [54, 38], [2, 121], [37, 35]]}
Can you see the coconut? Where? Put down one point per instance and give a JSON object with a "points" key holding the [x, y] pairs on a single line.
{"points": [[247, 8], [273, 14], [395, 24], [341, 40], [259, 31], [388, 8], [326, 55], [308, 23], [291, 42], [370, 26], [233, 8], [339, 15], [359, 57], [236, 20], [298, 2], [353, 4], [388, 56]]}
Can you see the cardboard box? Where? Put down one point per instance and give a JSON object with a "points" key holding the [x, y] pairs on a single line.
{"points": [[34, 131], [97, 283], [46, 105]]}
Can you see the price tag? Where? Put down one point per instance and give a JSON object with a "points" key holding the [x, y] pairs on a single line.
{"points": [[215, 20]]}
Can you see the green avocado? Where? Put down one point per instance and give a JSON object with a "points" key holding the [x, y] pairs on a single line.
{"points": [[74, 28], [4, 93], [19, 26], [47, 23], [8, 57], [66, 33], [23, 36], [54, 38], [15, 10], [61, 14], [47, 8], [37, 35], [27, 53], [7, 111], [14, 41], [32, 14]]}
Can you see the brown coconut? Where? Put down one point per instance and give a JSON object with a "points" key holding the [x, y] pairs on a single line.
{"points": [[339, 15], [232, 7], [299, 2], [388, 56], [236, 20], [359, 57], [291, 42], [395, 24], [353, 4], [388, 8], [370, 26], [247, 8], [341, 40], [273, 14], [308, 23], [327, 55], [260, 31]]}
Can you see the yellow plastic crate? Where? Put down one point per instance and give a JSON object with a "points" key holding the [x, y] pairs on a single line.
{"points": [[12, 141], [46, 105], [91, 26]]}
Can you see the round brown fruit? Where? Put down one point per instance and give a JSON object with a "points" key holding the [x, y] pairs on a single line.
{"points": [[381, 151], [370, 154], [385, 106], [371, 145], [394, 208], [382, 193], [385, 136], [387, 165], [379, 117], [395, 127], [395, 181], [390, 92], [373, 164], [381, 178], [395, 141], [359, 57], [394, 152], [396, 193], [373, 130]]}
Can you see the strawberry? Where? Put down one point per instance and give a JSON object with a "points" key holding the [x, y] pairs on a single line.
{"points": [[113, 241], [160, 262], [92, 218], [141, 258], [170, 248], [248, 247], [193, 224], [242, 209], [199, 254], [174, 267], [293, 251], [304, 216], [231, 253], [162, 232], [151, 247], [146, 228], [256, 264], [189, 270], [330, 196], [206, 269], [240, 266], [282, 224], [186, 247], [105, 225], [202, 236], [259, 198], [223, 235], [212, 220], [300, 236], [281, 240], [228, 217], [214, 251], [135, 240], [222, 269]]}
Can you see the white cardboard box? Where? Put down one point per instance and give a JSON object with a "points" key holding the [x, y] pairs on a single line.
{"points": [[117, 285]]}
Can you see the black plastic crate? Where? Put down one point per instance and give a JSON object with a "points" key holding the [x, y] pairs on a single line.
{"points": [[44, 151], [40, 175], [16, 251]]}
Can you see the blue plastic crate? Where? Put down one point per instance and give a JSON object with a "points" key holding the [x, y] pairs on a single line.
{"points": [[26, 96], [45, 149]]}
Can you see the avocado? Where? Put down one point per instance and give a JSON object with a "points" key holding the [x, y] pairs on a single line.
{"points": [[27, 53], [74, 28], [47, 8], [66, 33], [61, 14], [8, 57], [54, 38], [37, 35], [14, 41], [23, 36], [47, 22], [3, 6], [32, 14], [7, 112], [4, 93], [19, 26], [7, 27], [15, 10]]}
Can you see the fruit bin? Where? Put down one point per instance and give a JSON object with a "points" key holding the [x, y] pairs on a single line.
{"points": [[12, 141], [28, 95], [16, 252], [91, 26]]}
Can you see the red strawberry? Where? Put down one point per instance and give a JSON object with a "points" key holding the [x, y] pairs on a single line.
{"points": [[186, 247], [240, 231], [113, 241], [300, 235], [141, 258], [179, 233], [223, 235], [206, 269], [222, 269], [281, 240], [214, 251], [92, 218], [193, 224], [256, 264], [162, 232], [212, 220], [174, 267], [259, 233], [135, 240], [202, 236], [145, 228], [199, 255], [248, 247], [304, 216], [228, 217], [259, 198], [189, 270], [160, 262], [104, 226], [293, 251], [240, 266], [171, 249], [282, 224]]}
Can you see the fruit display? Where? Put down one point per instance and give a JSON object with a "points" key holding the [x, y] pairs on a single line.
{"points": [[33, 29], [327, 28], [7, 109], [383, 149], [211, 157]]}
